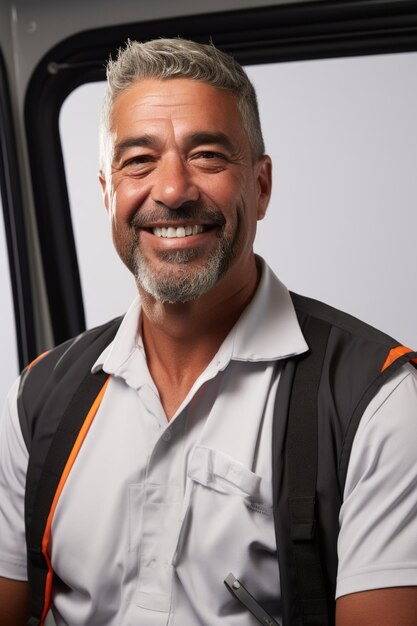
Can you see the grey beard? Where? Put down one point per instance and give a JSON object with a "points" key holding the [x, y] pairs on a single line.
{"points": [[180, 283]]}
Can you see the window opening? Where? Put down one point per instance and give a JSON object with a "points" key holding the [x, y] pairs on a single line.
{"points": [[341, 223]]}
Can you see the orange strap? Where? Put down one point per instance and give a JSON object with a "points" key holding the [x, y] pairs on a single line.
{"points": [[38, 358], [394, 354]]}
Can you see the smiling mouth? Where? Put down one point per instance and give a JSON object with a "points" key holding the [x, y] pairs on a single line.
{"points": [[179, 232]]}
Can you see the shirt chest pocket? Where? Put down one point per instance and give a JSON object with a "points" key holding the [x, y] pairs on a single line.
{"points": [[221, 473], [225, 514]]}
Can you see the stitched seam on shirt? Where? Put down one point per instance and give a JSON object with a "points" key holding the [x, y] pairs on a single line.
{"points": [[385, 567], [386, 398]]}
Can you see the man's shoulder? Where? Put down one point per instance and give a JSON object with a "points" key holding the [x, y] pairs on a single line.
{"points": [[342, 322], [89, 341], [359, 361], [54, 376]]}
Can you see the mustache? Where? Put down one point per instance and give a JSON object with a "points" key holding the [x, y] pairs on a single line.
{"points": [[192, 212]]}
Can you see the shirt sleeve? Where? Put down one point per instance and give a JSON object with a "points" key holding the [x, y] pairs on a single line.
{"points": [[13, 466], [377, 544]]}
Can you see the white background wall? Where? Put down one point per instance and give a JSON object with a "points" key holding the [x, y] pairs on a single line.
{"points": [[342, 221]]}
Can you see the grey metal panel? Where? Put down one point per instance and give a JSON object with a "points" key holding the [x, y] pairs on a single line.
{"points": [[37, 26]]}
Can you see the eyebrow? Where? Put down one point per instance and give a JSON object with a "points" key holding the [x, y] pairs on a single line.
{"points": [[218, 138], [141, 141]]}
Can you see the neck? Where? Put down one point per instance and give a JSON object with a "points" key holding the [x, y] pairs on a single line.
{"points": [[181, 339]]}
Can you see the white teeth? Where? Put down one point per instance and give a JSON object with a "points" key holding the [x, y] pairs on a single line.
{"points": [[182, 231]]}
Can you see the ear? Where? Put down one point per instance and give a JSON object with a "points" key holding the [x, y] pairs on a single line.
{"points": [[264, 182], [104, 190]]}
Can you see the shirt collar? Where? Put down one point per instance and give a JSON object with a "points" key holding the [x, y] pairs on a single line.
{"points": [[267, 330], [118, 355]]}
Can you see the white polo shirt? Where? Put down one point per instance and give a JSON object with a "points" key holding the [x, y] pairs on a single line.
{"points": [[154, 515]]}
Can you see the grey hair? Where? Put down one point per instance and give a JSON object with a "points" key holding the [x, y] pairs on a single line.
{"points": [[178, 58]]}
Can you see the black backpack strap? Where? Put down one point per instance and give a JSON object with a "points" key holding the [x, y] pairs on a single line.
{"points": [[58, 400], [301, 465], [79, 414]]}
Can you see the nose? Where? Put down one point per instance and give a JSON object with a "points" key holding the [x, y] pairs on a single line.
{"points": [[173, 185]]}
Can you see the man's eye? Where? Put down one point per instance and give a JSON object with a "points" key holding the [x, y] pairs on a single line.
{"points": [[210, 158], [208, 154], [137, 160], [209, 161], [137, 165]]}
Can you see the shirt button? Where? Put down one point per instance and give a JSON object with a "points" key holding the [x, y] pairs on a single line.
{"points": [[166, 436]]}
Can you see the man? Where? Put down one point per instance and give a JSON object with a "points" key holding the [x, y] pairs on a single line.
{"points": [[177, 478]]}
